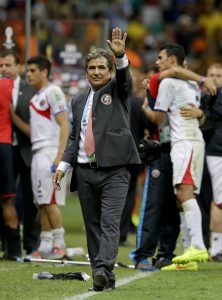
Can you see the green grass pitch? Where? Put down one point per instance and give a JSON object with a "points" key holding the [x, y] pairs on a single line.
{"points": [[16, 278]]}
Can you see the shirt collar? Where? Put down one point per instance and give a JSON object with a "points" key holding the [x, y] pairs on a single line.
{"points": [[17, 82]]}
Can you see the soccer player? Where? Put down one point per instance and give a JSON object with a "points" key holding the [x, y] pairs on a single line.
{"points": [[49, 134], [187, 146]]}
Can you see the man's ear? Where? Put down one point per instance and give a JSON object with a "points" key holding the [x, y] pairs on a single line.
{"points": [[45, 73], [172, 59]]}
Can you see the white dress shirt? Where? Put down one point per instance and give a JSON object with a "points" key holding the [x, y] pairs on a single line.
{"points": [[82, 156], [15, 92]]}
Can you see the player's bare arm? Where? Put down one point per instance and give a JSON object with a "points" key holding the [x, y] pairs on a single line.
{"points": [[185, 74], [156, 117], [191, 111]]}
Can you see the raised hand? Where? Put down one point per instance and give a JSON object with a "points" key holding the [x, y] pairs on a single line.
{"points": [[117, 45]]}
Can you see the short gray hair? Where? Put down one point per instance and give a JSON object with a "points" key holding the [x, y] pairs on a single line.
{"points": [[99, 52]]}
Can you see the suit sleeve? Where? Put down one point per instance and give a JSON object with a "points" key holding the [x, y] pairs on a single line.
{"points": [[124, 83]]}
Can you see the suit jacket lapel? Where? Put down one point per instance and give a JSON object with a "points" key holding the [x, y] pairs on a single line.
{"points": [[97, 95], [20, 94], [95, 100], [81, 106]]}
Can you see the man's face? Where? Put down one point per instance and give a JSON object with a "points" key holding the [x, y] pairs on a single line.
{"points": [[98, 73], [8, 67], [216, 74], [35, 77], [163, 61], [1, 62]]}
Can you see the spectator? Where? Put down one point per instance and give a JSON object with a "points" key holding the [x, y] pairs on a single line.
{"points": [[213, 114]]}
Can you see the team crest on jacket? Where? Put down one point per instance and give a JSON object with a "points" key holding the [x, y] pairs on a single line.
{"points": [[106, 99]]}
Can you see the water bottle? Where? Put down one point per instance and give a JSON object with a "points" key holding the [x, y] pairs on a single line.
{"points": [[42, 275]]}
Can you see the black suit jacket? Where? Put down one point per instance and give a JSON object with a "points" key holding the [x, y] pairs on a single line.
{"points": [[111, 124], [25, 94]]}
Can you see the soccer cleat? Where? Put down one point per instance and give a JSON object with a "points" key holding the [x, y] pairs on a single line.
{"points": [[38, 255], [191, 266], [192, 254]]}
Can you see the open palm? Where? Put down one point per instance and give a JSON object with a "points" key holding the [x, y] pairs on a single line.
{"points": [[117, 45]]}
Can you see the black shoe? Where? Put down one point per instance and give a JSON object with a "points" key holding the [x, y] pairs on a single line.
{"points": [[111, 285], [12, 257], [100, 284], [162, 262], [217, 258]]}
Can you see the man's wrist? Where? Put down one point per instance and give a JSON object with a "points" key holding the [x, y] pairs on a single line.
{"points": [[63, 166], [121, 62]]}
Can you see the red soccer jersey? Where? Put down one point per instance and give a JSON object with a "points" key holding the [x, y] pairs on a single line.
{"points": [[6, 86], [153, 88], [154, 85]]}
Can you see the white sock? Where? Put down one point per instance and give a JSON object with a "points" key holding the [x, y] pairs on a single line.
{"points": [[216, 243], [45, 241], [193, 221], [184, 232], [58, 237]]}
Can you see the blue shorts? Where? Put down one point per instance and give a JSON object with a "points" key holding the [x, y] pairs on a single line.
{"points": [[7, 184]]}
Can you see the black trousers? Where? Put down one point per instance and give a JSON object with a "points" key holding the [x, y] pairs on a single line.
{"points": [[102, 194], [125, 223], [204, 200], [159, 217], [31, 217]]}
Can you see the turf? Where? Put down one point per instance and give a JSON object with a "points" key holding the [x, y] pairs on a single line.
{"points": [[16, 278]]}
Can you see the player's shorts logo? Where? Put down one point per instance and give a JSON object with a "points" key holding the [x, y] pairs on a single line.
{"points": [[42, 102], [106, 99]]}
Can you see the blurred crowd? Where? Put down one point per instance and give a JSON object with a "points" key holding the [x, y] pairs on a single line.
{"points": [[197, 25]]}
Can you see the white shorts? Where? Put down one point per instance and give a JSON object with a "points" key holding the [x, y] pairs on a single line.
{"points": [[214, 164], [43, 190], [187, 158]]}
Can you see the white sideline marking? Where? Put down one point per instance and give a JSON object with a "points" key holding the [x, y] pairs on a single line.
{"points": [[119, 283]]}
